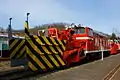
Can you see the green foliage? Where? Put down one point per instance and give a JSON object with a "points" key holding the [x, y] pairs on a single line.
{"points": [[59, 26], [56, 25], [34, 30], [113, 36]]}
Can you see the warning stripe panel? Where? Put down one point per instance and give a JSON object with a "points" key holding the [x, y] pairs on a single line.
{"points": [[20, 52], [17, 49], [32, 40], [43, 53], [41, 57], [47, 54], [34, 64], [35, 58], [36, 54], [44, 50], [31, 43], [42, 40], [45, 60]]}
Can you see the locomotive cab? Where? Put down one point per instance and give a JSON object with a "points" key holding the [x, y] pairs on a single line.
{"points": [[83, 37]]}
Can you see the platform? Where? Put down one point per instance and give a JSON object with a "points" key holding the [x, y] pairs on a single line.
{"points": [[97, 70]]}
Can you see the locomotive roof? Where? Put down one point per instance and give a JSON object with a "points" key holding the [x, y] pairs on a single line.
{"points": [[101, 33]]}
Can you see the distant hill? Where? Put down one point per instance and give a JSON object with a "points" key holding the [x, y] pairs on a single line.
{"points": [[34, 30], [60, 26]]}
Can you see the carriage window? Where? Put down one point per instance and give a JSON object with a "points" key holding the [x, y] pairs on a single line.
{"points": [[79, 30], [90, 32]]}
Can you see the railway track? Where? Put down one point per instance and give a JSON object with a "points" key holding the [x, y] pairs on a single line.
{"points": [[15, 74], [112, 73], [4, 59], [20, 73]]}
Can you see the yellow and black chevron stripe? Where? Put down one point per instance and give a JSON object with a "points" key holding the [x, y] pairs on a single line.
{"points": [[44, 53], [17, 48]]}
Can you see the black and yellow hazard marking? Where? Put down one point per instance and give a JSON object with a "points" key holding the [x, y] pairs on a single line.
{"points": [[45, 51], [31, 66], [26, 28], [35, 58], [17, 48], [22, 52]]}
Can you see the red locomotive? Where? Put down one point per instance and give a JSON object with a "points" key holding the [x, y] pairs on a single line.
{"points": [[82, 42]]}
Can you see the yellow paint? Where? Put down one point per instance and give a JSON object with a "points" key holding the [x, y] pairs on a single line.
{"points": [[16, 49], [46, 61], [46, 50], [53, 40], [31, 66], [61, 44], [61, 61], [53, 50], [34, 46], [26, 26], [36, 59], [58, 48], [39, 41], [55, 62], [21, 52], [13, 43], [46, 40]]}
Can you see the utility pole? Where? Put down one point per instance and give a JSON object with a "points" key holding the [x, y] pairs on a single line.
{"points": [[27, 25], [27, 16], [10, 29]]}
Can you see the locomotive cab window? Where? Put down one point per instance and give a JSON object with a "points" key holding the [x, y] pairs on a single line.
{"points": [[79, 30], [90, 32]]}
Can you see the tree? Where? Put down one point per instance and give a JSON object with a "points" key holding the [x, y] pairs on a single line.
{"points": [[113, 36]]}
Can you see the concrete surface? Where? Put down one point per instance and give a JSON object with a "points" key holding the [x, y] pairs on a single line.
{"points": [[96, 70]]}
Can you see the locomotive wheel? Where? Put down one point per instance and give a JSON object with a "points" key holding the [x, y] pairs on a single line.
{"points": [[82, 54], [87, 58]]}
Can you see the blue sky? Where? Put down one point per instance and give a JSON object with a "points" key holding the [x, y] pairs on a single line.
{"points": [[101, 15]]}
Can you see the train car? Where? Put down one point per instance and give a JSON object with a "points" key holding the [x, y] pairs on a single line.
{"points": [[93, 40], [53, 49], [114, 46], [4, 45], [82, 42]]}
